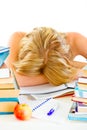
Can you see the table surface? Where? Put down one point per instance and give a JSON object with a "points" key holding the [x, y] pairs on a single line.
{"points": [[9, 121]]}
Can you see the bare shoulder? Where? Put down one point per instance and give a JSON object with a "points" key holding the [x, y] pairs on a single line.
{"points": [[74, 35], [15, 38], [76, 38], [13, 43]]}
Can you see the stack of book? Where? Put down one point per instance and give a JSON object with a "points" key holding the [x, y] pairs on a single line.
{"points": [[78, 110], [9, 92], [9, 89]]}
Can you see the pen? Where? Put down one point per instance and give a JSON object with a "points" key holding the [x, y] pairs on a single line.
{"points": [[52, 110]]}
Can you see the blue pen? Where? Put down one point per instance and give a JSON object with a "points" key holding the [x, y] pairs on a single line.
{"points": [[52, 110]]}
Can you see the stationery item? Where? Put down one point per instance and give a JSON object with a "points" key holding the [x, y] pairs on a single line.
{"points": [[41, 107], [4, 52], [73, 115], [7, 105], [52, 110]]}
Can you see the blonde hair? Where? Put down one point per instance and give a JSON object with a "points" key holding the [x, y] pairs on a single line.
{"points": [[45, 51]]}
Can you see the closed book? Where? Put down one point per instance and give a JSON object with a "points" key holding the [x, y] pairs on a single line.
{"points": [[7, 105], [82, 107], [80, 92], [4, 52], [9, 86], [6, 83], [82, 86], [72, 115], [82, 80], [78, 99]]}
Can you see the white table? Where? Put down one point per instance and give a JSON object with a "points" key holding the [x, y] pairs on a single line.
{"points": [[11, 123]]}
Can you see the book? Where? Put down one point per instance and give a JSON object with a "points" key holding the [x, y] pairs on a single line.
{"points": [[73, 115], [82, 80], [7, 105], [47, 90], [82, 107], [4, 52], [78, 99], [82, 86], [80, 92], [9, 86], [61, 93]]}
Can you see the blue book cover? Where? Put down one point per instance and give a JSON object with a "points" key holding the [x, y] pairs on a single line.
{"points": [[74, 115], [4, 52]]}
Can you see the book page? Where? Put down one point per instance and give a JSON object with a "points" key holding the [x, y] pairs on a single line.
{"points": [[4, 73], [46, 88]]}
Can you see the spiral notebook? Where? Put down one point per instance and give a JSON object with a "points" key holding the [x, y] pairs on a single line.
{"points": [[40, 109]]}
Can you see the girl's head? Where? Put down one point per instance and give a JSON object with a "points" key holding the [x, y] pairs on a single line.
{"points": [[45, 51]]}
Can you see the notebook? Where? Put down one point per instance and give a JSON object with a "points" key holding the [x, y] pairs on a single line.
{"points": [[40, 108]]}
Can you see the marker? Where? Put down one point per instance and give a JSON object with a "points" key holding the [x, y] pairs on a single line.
{"points": [[52, 110]]}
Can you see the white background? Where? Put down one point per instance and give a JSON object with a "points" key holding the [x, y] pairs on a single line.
{"points": [[24, 15]]}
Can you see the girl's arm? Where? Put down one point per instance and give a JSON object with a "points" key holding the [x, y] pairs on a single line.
{"points": [[14, 47], [78, 43]]}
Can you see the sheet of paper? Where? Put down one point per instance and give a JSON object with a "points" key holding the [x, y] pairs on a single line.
{"points": [[4, 73], [59, 115]]}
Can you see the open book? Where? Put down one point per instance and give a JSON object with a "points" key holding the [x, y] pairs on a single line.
{"points": [[48, 90]]}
